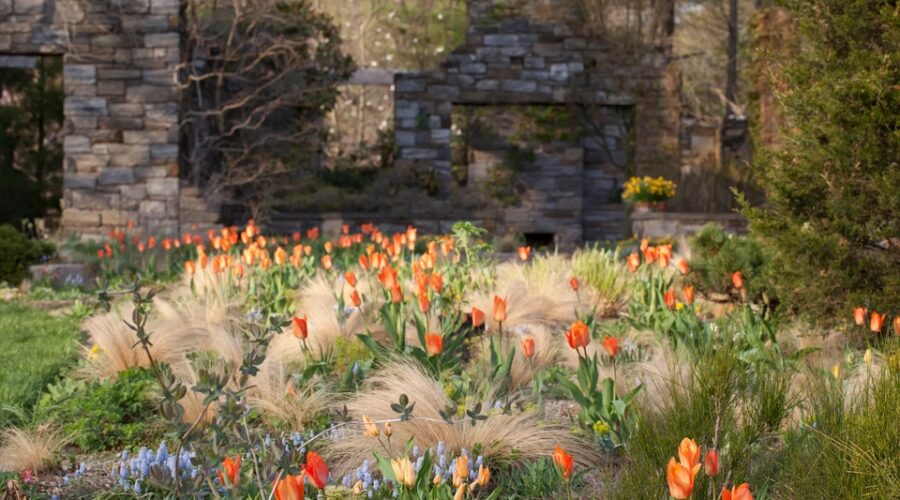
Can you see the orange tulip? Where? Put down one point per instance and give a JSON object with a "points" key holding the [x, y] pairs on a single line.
{"points": [[612, 345], [351, 278], [327, 262], [689, 294], [688, 453], [499, 309], [897, 324], [101, 254], [280, 256], [434, 343], [189, 267], [859, 315], [316, 470], [528, 347], [663, 260], [741, 492], [634, 262], [669, 298], [203, 261], [524, 253], [364, 261], [573, 282], [300, 327], [437, 282], [683, 266], [680, 479], [396, 294], [477, 317], [354, 297], [232, 469], [645, 244], [461, 474], [564, 461], [737, 279], [290, 488], [711, 463], [578, 335], [876, 322], [424, 303]]}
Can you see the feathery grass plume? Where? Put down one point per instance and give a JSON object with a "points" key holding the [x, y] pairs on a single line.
{"points": [[35, 451], [275, 396], [605, 275], [504, 439], [548, 351]]}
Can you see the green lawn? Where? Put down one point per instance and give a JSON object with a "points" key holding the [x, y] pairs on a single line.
{"points": [[35, 348]]}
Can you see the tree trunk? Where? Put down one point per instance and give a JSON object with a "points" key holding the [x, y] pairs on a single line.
{"points": [[731, 74]]}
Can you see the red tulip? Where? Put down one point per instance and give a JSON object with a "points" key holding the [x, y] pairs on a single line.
{"points": [[528, 347], [350, 277], [897, 324], [669, 298], [859, 315], [578, 335], [290, 488], [316, 469], [573, 282], [396, 294], [689, 294], [737, 279], [354, 297], [612, 345], [499, 309], [683, 266], [477, 317], [434, 343], [300, 328], [424, 302], [741, 492], [564, 461], [711, 463], [876, 322], [232, 469]]}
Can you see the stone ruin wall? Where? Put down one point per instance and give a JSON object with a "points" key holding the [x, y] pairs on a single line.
{"points": [[121, 108], [525, 61]]}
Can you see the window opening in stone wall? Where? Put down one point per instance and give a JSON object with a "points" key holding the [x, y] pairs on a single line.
{"points": [[31, 149], [539, 240]]}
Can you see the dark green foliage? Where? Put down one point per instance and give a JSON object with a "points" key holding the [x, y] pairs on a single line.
{"points": [[541, 479], [832, 216], [30, 162], [715, 255], [17, 252], [105, 415], [36, 348]]}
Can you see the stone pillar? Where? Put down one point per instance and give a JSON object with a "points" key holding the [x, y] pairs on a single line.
{"points": [[121, 127]]}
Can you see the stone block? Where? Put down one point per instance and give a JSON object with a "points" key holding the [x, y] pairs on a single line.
{"points": [[559, 72], [149, 94], [93, 200], [164, 6], [443, 92], [149, 172], [501, 40], [90, 162], [117, 73], [159, 76], [128, 155], [487, 85], [419, 154], [121, 123], [153, 209], [519, 86], [5, 7], [60, 275], [410, 85], [28, 6], [113, 176], [82, 218], [162, 116], [126, 110], [133, 192], [405, 138], [74, 181], [145, 137], [163, 152], [473, 68], [76, 144], [132, 6], [94, 106], [162, 188], [79, 74], [162, 40], [111, 88]]}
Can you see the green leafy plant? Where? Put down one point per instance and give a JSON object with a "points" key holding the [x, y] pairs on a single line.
{"points": [[716, 255], [17, 252]]}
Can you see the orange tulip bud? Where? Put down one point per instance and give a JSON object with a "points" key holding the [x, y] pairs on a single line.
{"points": [[564, 461], [680, 479], [683, 266], [859, 315], [232, 470], [316, 470], [326, 262], [528, 347], [612, 346], [634, 262], [189, 267], [300, 328], [737, 279], [434, 343], [477, 317], [524, 253], [711, 463], [897, 324], [573, 282], [396, 294], [290, 488], [689, 294], [688, 453], [876, 322], [669, 298], [424, 303], [499, 309], [350, 277], [355, 299]]}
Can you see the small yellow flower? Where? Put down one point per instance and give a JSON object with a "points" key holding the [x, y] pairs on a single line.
{"points": [[679, 306], [868, 356], [836, 371], [601, 428]]}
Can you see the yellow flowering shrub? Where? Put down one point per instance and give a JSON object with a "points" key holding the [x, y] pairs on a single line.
{"points": [[648, 189]]}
